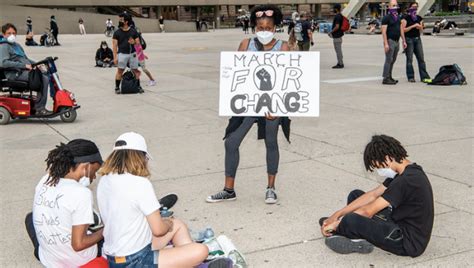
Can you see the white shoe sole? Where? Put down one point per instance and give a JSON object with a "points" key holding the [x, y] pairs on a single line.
{"points": [[210, 200], [271, 201]]}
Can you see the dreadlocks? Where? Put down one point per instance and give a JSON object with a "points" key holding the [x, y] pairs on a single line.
{"points": [[379, 148], [61, 159]]}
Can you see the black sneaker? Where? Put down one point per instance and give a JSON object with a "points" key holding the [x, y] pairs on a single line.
{"points": [[117, 90], [338, 66], [411, 80], [389, 81], [396, 81], [141, 91], [344, 245], [221, 196], [168, 201]]}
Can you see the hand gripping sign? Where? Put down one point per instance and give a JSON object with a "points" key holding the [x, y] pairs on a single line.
{"points": [[280, 83]]}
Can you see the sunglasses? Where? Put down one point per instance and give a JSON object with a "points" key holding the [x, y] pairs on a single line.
{"points": [[268, 13]]}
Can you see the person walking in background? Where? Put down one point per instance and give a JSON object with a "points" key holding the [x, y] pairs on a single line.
{"points": [[82, 28], [29, 25], [142, 63], [336, 34], [303, 32], [246, 23], [412, 26], [198, 24], [391, 33], [162, 24], [53, 25]]}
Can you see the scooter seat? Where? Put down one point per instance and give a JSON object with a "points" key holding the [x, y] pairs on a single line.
{"points": [[13, 85]]}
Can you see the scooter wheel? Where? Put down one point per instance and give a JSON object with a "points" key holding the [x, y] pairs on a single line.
{"points": [[69, 117], [4, 116]]}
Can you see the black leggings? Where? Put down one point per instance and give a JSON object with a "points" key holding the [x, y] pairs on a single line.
{"points": [[30, 228], [232, 144]]}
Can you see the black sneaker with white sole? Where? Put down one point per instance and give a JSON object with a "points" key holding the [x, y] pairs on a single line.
{"points": [[221, 196], [344, 245]]}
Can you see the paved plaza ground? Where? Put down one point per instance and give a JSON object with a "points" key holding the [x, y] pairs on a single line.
{"points": [[323, 163]]}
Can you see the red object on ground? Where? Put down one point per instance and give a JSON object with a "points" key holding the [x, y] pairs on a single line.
{"points": [[98, 262]]}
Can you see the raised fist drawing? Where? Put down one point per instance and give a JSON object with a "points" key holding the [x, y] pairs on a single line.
{"points": [[265, 80]]}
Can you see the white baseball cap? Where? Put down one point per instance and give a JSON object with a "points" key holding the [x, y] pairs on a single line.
{"points": [[131, 141]]}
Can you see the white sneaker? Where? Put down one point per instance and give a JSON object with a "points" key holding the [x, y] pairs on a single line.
{"points": [[151, 83]]}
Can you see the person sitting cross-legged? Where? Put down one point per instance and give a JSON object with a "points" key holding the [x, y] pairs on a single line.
{"points": [[397, 216]]}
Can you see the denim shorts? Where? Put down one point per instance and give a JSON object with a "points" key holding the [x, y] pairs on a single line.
{"points": [[145, 258]]}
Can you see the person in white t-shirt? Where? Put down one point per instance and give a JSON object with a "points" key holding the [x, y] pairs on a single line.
{"points": [[135, 233], [62, 207]]}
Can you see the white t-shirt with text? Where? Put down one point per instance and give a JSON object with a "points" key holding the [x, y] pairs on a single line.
{"points": [[55, 210], [124, 202]]}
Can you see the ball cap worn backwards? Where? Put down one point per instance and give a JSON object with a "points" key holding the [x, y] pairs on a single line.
{"points": [[131, 141]]}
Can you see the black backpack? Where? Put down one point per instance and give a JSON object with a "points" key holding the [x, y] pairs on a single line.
{"points": [[142, 41], [35, 80], [130, 84], [449, 75]]}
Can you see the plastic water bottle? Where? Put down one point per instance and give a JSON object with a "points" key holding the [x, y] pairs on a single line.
{"points": [[208, 233], [165, 213]]}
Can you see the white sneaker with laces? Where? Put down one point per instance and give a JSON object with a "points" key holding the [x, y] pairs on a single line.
{"points": [[151, 83]]}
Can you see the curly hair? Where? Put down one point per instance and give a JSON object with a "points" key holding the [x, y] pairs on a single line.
{"points": [[379, 148], [276, 17]]}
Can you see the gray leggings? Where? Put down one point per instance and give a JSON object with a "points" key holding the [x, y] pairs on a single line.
{"points": [[233, 141]]}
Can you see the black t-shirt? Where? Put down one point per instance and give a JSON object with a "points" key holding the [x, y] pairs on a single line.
{"points": [[162, 21], [413, 32], [337, 20], [122, 39], [305, 27], [393, 27], [411, 198]]}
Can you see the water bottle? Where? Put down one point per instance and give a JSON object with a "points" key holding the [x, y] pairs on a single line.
{"points": [[165, 213], [237, 259], [208, 233]]}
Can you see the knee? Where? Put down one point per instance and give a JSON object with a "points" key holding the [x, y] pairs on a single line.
{"points": [[201, 252], [271, 143], [230, 144], [350, 219]]}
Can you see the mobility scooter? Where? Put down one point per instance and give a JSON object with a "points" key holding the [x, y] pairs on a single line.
{"points": [[17, 99]]}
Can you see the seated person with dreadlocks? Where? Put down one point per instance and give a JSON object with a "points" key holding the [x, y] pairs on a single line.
{"points": [[397, 216], [62, 207]]}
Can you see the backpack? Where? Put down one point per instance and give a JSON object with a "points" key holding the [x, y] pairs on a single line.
{"points": [[130, 84], [346, 26], [449, 75], [35, 80], [298, 29], [142, 41]]}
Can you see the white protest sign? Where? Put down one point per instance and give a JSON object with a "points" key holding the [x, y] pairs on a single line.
{"points": [[279, 82]]}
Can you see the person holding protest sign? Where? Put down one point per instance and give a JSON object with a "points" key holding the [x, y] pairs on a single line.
{"points": [[265, 18]]}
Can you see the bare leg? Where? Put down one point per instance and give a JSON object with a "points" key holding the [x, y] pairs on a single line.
{"points": [[118, 75], [185, 252], [229, 182], [137, 73], [148, 74], [271, 181]]}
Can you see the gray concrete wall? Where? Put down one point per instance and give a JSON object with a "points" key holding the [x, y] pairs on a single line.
{"points": [[67, 20]]}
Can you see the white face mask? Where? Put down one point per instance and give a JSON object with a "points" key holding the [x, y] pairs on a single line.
{"points": [[85, 181], [386, 172], [265, 37], [104, 47], [11, 39]]}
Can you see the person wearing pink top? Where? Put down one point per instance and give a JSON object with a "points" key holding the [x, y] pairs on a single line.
{"points": [[141, 63]]}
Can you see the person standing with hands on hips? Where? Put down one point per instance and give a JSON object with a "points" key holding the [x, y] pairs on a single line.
{"points": [[391, 33], [336, 34], [266, 18], [123, 42], [412, 26]]}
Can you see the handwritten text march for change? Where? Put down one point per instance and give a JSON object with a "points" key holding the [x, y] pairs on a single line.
{"points": [[279, 83]]}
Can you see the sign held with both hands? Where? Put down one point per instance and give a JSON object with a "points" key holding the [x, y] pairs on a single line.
{"points": [[277, 82]]}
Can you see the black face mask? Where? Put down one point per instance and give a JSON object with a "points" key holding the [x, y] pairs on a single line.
{"points": [[121, 24]]}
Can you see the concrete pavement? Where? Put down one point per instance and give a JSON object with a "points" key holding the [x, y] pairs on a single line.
{"points": [[178, 117]]}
